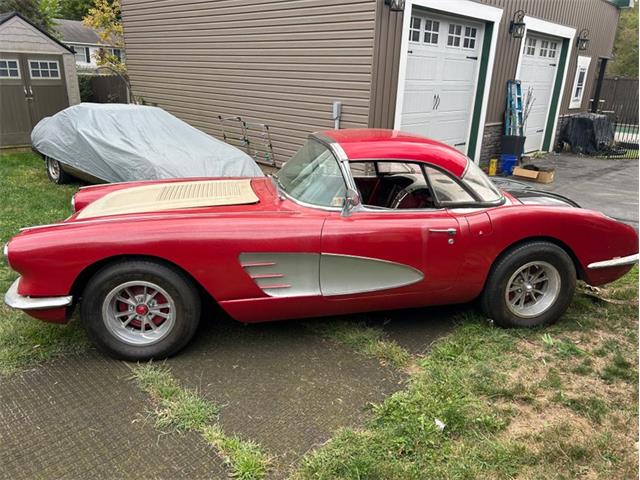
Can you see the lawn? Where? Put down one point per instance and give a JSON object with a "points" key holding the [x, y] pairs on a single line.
{"points": [[28, 198], [485, 402]]}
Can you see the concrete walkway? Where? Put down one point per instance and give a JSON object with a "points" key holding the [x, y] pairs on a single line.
{"points": [[609, 186], [279, 384]]}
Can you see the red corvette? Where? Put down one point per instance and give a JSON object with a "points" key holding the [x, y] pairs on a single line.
{"points": [[357, 220]]}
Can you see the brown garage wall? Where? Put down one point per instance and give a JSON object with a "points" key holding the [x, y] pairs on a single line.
{"points": [[599, 16], [281, 62]]}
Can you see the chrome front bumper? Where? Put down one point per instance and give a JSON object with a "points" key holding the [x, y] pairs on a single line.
{"points": [[614, 262], [15, 300]]}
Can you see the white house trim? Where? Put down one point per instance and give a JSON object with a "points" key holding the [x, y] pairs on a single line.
{"points": [[466, 8], [556, 30]]}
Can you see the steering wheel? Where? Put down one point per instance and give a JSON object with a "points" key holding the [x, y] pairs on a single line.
{"points": [[419, 195]]}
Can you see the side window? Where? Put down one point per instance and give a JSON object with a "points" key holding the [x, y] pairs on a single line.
{"points": [[582, 68], [446, 189], [392, 185], [9, 68], [44, 69]]}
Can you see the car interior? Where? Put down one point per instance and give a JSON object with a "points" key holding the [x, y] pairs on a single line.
{"points": [[392, 185]]}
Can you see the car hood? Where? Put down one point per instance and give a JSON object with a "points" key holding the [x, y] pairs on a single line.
{"points": [[172, 196]]}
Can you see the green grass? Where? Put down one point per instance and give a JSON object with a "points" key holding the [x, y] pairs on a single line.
{"points": [[534, 403], [28, 198], [369, 341], [179, 409]]}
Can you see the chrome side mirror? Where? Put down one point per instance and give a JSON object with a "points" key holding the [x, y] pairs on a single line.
{"points": [[351, 202]]}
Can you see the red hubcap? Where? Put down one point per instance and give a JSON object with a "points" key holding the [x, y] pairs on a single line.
{"points": [[142, 309]]}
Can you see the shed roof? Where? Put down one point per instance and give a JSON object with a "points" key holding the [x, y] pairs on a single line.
{"points": [[6, 16]]}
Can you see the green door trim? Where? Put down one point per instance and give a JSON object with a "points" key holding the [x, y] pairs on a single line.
{"points": [[555, 96], [474, 132]]}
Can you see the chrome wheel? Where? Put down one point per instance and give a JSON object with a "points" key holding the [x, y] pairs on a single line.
{"points": [[54, 168], [532, 289], [139, 313]]}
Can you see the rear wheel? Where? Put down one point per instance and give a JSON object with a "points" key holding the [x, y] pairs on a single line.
{"points": [[138, 310], [529, 286], [55, 172]]}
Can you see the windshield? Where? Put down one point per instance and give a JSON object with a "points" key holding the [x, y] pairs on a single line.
{"points": [[313, 176], [477, 180]]}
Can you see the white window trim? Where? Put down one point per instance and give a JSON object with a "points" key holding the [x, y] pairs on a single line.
{"points": [[582, 63], [19, 69], [29, 60], [465, 8], [537, 25]]}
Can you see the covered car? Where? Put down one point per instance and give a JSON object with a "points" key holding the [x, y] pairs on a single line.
{"points": [[119, 143]]}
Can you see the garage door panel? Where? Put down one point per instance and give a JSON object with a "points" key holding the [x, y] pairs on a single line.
{"points": [[460, 70], [437, 65], [454, 100], [537, 74], [422, 66], [418, 100]]}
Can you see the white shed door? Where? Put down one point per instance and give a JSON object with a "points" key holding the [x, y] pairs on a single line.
{"points": [[537, 74], [441, 76]]}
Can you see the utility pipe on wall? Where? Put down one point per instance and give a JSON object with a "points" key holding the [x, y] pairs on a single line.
{"points": [[336, 114]]}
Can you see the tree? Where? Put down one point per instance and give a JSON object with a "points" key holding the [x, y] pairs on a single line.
{"points": [[625, 48], [75, 9], [39, 12], [105, 18]]}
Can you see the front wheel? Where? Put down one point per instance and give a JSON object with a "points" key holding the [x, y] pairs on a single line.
{"points": [[531, 285], [55, 172], [140, 310]]}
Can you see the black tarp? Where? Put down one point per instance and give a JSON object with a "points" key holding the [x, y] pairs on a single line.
{"points": [[587, 133]]}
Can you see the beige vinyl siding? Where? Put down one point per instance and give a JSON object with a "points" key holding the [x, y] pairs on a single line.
{"points": [[598, 16], [271, 61]]}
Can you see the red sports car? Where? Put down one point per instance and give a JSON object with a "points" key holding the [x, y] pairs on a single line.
{"points": [[357, 220]]}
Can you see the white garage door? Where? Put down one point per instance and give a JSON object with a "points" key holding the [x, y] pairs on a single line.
{"points": [[441, 75], [537, 74]]}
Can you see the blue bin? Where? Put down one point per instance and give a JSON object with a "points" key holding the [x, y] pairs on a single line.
{"points": [[508, 163]]}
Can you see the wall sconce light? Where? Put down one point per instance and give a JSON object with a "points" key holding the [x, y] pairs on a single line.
{"points": [[517, 26], [395, 5], [583, 39]]}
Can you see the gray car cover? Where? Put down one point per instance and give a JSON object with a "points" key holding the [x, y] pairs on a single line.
{"points": [[119, 143]]}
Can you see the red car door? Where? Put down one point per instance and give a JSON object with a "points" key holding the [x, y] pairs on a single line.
{"points": [[411, 255]]}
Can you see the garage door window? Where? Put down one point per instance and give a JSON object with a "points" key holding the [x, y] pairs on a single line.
{"points": [[553, 49], [455, 35], [43, 69], [431, 31], [414, 30], [544, 48], [469, 37], [9, 68], [531, 46], [582, 69]]}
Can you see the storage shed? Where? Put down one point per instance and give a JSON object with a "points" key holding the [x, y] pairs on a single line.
{"points": [[37, 78], [434, 67]]}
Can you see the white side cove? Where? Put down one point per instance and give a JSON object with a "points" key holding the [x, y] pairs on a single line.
{"points": [[171, 196], [327, 274]]}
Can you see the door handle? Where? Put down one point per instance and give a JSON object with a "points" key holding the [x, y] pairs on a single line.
{"points": [[433, 107], [449, 231], [30, 91], [438, 102], [26, 94]]}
